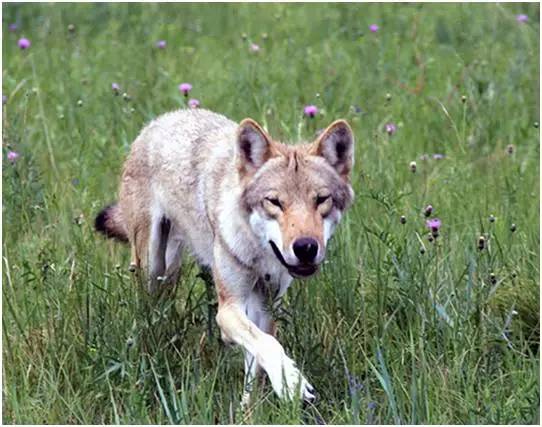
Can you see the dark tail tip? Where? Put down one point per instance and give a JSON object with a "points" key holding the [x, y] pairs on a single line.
{"points": [[107, 222], [101, 219]]}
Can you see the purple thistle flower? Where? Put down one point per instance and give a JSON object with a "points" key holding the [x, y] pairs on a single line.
{"points": [[185, 88], [161, 44], [13, 27], [193, 103], [433, 224], [390, 128], [373, 28], [310, 110], [115, 88], [24, 43], [438, 156], [13, 156], [522, 18], [254, 48]]}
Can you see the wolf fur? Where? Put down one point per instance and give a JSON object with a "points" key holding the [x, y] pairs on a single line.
{"points": [[255, 211]]}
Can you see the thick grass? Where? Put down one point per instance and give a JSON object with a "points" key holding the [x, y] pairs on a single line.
{"points": [[386, 333]]}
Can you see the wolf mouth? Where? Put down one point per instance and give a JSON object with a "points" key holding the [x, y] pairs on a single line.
{"points": [[294, 270]]}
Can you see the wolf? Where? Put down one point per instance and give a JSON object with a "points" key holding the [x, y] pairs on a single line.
{"points": [[256, 212]]}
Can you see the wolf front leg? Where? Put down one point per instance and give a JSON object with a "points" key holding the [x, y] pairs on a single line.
{"points": [[236, 327], [260, 314]]}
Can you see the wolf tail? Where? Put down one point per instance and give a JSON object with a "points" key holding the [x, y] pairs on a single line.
{"points": [[110, 223]]}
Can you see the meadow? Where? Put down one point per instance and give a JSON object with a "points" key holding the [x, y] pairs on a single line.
{"points": [[404, 324]]}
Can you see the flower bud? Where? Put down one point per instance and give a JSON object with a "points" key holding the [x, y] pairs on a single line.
{"points": [[428, 210], [481, 243]]}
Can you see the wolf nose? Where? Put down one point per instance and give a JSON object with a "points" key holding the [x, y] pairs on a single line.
{"points": [[305, 249]]}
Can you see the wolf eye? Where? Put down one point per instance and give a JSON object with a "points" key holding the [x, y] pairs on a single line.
{"points": [[322, 199], [274, 201]]}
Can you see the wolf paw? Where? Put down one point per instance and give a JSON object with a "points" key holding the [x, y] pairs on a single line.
{"points": [[288, 382]]}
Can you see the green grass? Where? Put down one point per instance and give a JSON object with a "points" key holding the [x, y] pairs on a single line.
{"points": [[446, 336]]}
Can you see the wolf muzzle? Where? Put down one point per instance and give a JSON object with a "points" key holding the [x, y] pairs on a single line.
{"points": [[301, 271]]}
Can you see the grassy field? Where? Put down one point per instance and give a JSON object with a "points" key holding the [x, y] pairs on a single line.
{"points": [[397, 328]]}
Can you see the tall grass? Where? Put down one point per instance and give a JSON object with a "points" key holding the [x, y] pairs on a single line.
{"points": [[396, 329]]}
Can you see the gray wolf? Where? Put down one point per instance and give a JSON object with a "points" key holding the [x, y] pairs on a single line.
{"points": [[256, 212]]}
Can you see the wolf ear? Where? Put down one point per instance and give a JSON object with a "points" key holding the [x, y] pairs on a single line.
{"points": [[336, 145], [254, 146]]}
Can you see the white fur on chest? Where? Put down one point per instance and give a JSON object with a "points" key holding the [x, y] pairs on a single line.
{"points": [[274, 274]]}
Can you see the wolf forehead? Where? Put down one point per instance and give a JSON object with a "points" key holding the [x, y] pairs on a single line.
{"points": [[296, 174]]}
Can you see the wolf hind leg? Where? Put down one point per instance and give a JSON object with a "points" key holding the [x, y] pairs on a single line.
{"points": [[173, 255], [159, 231], [134, 261]]}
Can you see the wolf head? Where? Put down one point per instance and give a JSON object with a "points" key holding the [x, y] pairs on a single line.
{"points": [[295, 195]]}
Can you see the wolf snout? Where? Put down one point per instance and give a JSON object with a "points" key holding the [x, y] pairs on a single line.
{"points": [[305, 249]]}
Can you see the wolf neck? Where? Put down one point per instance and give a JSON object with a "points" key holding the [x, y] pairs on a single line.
{"points": [[234, 231]]}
